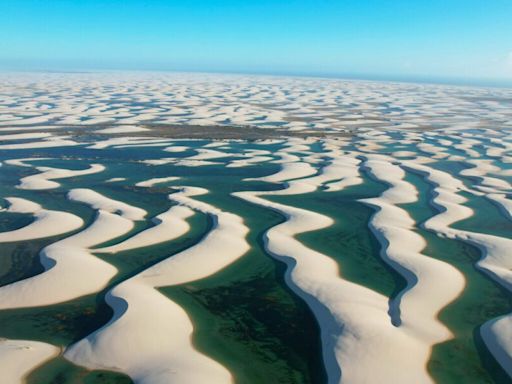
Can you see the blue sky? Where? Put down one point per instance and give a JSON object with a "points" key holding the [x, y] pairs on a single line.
{"points": [[469, 39]]}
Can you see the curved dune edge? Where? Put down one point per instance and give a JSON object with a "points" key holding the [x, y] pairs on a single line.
{"points": [[480, 170], [248, 162], [495, 261], [44, 179], [25, 136], [207, 154], [466, 146], [250, 157], [183, 162], [126, 141], [418, 305], [98, 201], [49, 142], [25, 162], [71, 270], [149, 336], [288, 171], [499, 326], [342, 170], [503, 203], [354, 319], [176, 148], [167, 225], [158, 180], [20, 357], [47, 223], [493, 188]]}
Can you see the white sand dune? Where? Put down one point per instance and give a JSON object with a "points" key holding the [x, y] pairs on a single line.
{"points": [[158, 180], [504, 203], [180, 162], [71, 270], [285, 157], [404, 154], [126, 141], [29, 121], [432, 150], [341, 172], [330, 104], [51, 142], [289, 171], [115, 179], [158, 144], [481, 169], [497, 334], [167, 226], [19, 357], [250, 160], [46, 223], [98, 201], [495, 261], [149, 339], [44, 179], [431, 284], [25, 162], [215, 144], [20, 205], [344, 171], [19, 130], [176, 148], [149, 336], [207, 154], [25, 136], [353, 319], [466, 146]]}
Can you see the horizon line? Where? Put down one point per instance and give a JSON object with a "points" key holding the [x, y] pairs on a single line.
{"points": [[373, 77]]}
